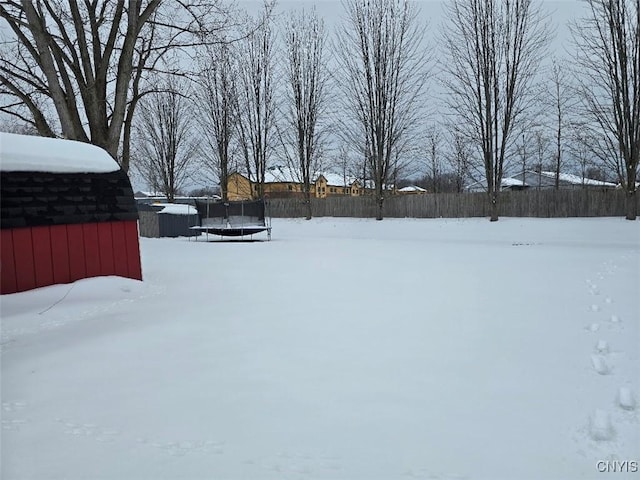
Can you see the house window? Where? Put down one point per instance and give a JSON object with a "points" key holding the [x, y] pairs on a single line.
{"points": [[290, 187], [349, 191]]}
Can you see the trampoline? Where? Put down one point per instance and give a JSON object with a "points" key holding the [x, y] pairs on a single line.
{"points": [[233, 219]]}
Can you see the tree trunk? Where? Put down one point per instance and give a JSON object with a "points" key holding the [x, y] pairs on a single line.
{"points": [[224, 178], [632, 204], [493, 208], [380, 203], [307, 202]]}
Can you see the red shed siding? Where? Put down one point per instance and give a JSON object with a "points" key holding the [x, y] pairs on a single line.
{"points": [[42, 255], [23, 258], [91, 249], [38, 256], [60, 254], [75, 242], [119, 244], [7, 262], [131, 237]]}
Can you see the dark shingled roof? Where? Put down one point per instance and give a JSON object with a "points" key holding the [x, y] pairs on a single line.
{"points": [[29, 199]]}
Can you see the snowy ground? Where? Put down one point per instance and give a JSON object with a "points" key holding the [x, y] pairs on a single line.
{"points": [[342, 349]]}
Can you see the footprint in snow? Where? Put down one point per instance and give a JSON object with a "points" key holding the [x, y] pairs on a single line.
{"points": [[600, 365], [602, 347], [626, 399], [600, 426]]}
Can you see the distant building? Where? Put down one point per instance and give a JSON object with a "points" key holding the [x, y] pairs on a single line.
{"points": [[542, 180], [284, 182], [411, 190], [508, 183]]}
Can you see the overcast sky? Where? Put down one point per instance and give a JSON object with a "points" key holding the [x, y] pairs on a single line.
{"points": [[560, 12]]}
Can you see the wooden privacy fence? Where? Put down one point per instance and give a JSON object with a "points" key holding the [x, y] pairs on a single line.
{"points": [[531, 203]]}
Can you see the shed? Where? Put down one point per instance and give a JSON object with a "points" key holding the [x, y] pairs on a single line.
{"points": [[67, 213], [167, 220]]}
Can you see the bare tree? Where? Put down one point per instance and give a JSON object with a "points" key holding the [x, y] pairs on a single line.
{"points": [[459, 160], [494, 48], [256, 99], [75, 69], [541, 143], [383, 59], [581, 149], [561, 99], [217, 105], [608, 60], [434, 161], [166, 146], [306, 93]]}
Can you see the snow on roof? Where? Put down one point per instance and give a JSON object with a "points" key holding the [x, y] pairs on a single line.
{"points": [[285, 174], [513, 182], [412, 188], [176, 208], [141, 193], [576, 180], [337, 180], [506, 182], [24, 153]]}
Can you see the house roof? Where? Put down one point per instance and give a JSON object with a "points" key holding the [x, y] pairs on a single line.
{"points": [[545, 179], [25, 153], [48, 181], [513, 182], [285, 174], [411, 189], [506, 182], [575, 179], [337, 180], [32, 199], [176, 208]]}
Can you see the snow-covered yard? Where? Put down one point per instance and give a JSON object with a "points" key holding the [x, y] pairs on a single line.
{"points": [[342, 349]]}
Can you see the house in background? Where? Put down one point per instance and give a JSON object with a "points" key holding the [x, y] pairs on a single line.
{"points": [[333, 184], [508, 183], [412, 190], [547, 180], [284, 182], [542, 180], [239, 187]]}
